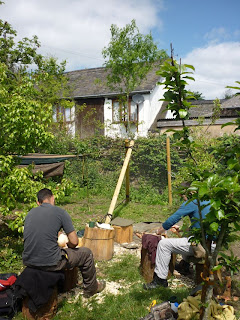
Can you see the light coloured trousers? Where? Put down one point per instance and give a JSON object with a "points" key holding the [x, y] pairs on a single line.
{"points": [[165, 248]]}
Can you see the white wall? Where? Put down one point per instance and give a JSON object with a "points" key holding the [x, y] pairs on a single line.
{"points": [[148, 111]]}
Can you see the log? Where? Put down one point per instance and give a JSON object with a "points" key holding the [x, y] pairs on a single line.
{"points": [[123, 234], [48, 311], [119, 183], [100, 241], [147, 268], [71, 279]]}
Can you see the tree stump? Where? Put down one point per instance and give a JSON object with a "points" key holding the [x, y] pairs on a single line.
{"points": [[71, 279], [100, 241], [147, 268], [123, 234], [48, 311]]}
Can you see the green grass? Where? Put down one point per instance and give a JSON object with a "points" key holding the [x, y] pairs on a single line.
{"points": [[92, 207], [132, 301]]}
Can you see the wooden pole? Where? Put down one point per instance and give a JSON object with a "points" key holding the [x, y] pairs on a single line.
{"points": [[169, 172], [127, 174], [119, 183]]}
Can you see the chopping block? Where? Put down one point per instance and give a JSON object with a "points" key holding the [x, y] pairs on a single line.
{"points": [[123, 230]]}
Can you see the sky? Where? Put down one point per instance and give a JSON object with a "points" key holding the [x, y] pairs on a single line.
{"points": [[203, 33]]}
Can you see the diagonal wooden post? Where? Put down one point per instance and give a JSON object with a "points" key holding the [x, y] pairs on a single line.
{"points": [[119, 183], [127, 143], [169, 172]]}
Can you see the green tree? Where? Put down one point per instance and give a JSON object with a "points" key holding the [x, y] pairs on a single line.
{"points": [[218, 184], [26, 111], [228, 94], [27, 98], [197, 95], [23, 120], [129, 56]]}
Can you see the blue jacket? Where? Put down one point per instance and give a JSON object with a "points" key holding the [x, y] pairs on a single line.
{"points": [[191, 210]]}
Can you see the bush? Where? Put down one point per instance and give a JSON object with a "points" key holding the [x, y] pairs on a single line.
{"points": [[18, 190], [99, 168]]}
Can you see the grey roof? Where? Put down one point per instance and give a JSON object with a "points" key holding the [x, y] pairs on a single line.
{"points": [[233, 102], [89, 83], [204, 108]]}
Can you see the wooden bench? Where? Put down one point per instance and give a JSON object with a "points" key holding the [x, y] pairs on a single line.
{"points": [[49, 310]]}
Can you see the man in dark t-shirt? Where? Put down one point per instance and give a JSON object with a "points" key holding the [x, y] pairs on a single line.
{"points": [[41, 250]]}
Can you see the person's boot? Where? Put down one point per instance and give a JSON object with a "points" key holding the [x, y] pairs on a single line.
{"points": [[183, 267], [101, 286], [156, 283]]}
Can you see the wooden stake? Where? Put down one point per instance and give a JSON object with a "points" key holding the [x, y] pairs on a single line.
{"points": [[119, 183], [127, 174], [169, 172]]}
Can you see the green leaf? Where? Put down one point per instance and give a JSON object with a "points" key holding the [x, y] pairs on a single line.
{"points": [[189, 78], [216, 268], [220, 214], [189, 66], [214, 226], [182, 113], [203, 190], [216, 204], [227, 124]]}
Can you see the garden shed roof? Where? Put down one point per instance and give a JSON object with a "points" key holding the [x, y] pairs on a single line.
{"points": [[204, 108], [92, 83]]}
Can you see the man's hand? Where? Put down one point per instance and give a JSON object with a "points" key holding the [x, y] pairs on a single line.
{"points": [[175, 229], [160, 231]]}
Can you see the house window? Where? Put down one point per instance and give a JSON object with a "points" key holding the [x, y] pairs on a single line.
{"points": [[63, 114], [119, 112], [133, 112]]}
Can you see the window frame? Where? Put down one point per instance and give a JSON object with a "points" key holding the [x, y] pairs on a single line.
{"points": [[122, 117], [61, 110]]}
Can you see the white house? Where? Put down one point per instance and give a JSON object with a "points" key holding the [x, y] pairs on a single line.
{"points": [[97, 108]]}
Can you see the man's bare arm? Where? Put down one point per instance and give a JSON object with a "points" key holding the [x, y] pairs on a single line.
{"points": [[72, 239]]}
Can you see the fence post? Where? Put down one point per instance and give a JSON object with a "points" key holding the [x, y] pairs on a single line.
{"points": [[127, 144], [169, 172]]}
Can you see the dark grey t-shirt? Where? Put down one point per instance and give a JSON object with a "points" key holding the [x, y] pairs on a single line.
{"points": [[41, 234]]}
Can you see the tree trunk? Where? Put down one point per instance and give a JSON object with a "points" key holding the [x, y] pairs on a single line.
{"points": [[208, 298]]}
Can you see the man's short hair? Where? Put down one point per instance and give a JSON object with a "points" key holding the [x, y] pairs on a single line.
{"points": [[44, 194], [183, 187], [185, 184]]}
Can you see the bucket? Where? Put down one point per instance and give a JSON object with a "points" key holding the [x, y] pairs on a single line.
{"points": [[100, 241]]}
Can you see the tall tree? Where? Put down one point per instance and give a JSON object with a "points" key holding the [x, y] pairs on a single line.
{"points": [[129, 56]]}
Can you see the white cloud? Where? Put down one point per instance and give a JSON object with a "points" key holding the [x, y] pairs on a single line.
{"points": [[216, 35], [77, 30], [216, 66]]}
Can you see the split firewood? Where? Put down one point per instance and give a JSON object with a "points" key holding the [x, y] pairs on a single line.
{"points": [[139, 235]]}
